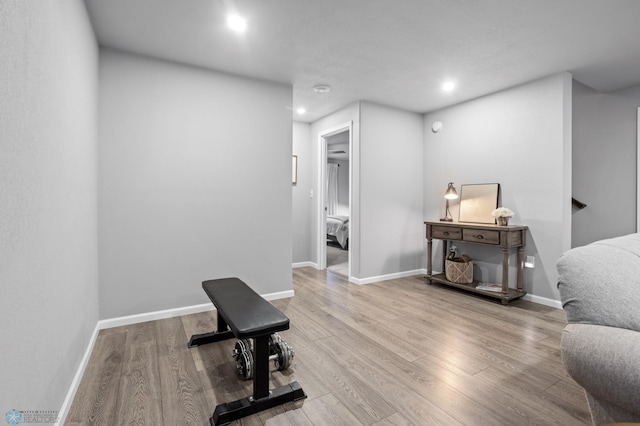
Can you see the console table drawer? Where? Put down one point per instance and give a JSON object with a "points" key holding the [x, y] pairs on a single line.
{"points": [[481, 236], [446, 233]]}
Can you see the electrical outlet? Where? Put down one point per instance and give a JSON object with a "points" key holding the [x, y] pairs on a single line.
{"points": [[531, 262], [311, 193]]}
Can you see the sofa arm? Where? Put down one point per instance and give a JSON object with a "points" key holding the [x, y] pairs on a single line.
{"points": [[605, 361], [600, 283]]}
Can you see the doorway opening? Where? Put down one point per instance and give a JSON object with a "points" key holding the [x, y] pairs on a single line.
{"points": [[335, 205]]}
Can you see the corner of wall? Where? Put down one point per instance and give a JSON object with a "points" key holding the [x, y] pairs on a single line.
{"points": [[567, 110]]}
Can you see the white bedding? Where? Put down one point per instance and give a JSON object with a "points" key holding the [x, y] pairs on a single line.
{"points": [[338, 227]]}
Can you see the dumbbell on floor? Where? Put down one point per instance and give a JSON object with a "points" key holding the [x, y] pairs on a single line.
{"points": [[244, 358], [279, 351]]}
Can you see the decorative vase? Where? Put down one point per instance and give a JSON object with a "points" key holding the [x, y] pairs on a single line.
{"points": [[503, 221]]}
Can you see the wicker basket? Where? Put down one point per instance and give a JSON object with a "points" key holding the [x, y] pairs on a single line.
{"points": [[459, 270]]}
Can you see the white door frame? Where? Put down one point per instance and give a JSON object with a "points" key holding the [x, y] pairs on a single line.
{"points": [[322, 190], [638, 171]]}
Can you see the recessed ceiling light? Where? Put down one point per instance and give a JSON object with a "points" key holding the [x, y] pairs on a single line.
{"points": [[448, 86], [301, 111], [237, 23], [321, 88]]}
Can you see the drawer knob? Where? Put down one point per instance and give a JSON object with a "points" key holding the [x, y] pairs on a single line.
{"points": [[446, 233], [480, 237]]}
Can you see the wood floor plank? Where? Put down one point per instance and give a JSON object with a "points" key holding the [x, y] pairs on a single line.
{"points": [[361, 400], [139, 391], [436, 392], [503, 400], [310, 326], [370, 328], [395, 419], [397, 352], [394, 392], [328, 411], [553, 410], [291, 418], [101, 382], [182, 394], [171, 337]]}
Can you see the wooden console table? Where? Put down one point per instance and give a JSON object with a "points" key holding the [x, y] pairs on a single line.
{"points": [[504, 237]]}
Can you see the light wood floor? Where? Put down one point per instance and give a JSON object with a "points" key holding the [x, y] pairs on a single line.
{"points": [[337, 260], [394, 353]]}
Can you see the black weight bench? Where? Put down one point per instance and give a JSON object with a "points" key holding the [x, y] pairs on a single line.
{"points": [[244, 314]]}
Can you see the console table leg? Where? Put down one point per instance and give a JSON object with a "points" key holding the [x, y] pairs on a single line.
{"points": [[429, 249], [520, 268], [505, 271], [445, 247]]}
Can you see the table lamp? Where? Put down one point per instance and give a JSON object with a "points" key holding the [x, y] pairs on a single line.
{"points": [[450, 194]]}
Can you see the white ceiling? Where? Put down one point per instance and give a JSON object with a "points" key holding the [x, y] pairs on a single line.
{"points": [[396, 53]]}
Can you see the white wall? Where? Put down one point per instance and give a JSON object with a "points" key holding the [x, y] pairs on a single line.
{"points": [[194, 183], [391, 191], [520, 138], [301, 201], [48, 213], [604, 163]]}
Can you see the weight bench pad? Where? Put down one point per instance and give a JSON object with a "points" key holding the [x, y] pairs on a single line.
{"points": [[245, 311]]}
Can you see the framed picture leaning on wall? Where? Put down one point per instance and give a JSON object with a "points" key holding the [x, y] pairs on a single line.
{"points": [[478, 201]]}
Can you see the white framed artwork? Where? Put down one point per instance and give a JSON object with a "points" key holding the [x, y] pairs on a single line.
{"points": [[478, 201]]}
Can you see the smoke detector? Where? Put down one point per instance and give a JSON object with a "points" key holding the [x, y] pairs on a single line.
{"points": [[321, 88]]}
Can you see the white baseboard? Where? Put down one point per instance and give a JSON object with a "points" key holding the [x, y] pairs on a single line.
{"points": [[304, 265], [153, 316], [387, 277], [75, 383], [134, 319], [279, 295], [176, 312], [543, 301]]}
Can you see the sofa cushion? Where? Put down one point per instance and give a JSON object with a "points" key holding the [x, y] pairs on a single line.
{"points": [[600, 283]]}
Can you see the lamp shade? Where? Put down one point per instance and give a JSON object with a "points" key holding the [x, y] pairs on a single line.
{"points": [[451, 193]]}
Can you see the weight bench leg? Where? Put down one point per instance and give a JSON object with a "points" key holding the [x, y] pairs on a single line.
{"points": [[230, 411], [261, 373], [262, 398], [222, 333]]}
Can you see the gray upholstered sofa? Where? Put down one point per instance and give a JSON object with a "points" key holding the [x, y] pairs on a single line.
{"points": [[600, 289]]}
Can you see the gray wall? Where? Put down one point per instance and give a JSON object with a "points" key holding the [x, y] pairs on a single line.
{"points": [[48, 213], [301, 226], [386, 234], [391, 190], [604, 163], [194, 183], [520, 138]]}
